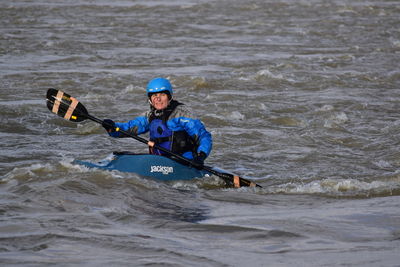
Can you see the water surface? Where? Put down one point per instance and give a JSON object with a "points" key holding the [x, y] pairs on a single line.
{"points": [[301, 96]]}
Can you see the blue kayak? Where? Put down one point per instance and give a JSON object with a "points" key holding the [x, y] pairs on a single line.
{"points": [[153, 166]]}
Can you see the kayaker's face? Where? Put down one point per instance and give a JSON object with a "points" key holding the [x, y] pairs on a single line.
{"points": [[159, 100]]}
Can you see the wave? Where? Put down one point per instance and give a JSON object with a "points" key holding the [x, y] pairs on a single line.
{"points": [[347, 188]]}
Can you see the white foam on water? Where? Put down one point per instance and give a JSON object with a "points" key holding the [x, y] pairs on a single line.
{"points": [[336, 119], [236, 115], [268, 74], [30, 172], [346, 187], [130, 88], [326, 108]]}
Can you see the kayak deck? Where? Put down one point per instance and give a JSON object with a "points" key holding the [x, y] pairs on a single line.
{"points": [[152, 166]]}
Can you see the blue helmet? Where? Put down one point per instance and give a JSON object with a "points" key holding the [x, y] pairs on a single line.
{"points": [[158, 85]]}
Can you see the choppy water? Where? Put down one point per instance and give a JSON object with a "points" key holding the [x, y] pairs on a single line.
{"points": [[301, 96]]}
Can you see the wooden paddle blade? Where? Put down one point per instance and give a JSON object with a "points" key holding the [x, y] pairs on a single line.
{"points": [[65, 106]]}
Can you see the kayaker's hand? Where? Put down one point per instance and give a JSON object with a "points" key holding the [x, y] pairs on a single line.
{"points": [[109, 125], [199, 160]]}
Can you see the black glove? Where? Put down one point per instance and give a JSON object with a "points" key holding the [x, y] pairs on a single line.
{"points": [[109, 125], [199, 160]]}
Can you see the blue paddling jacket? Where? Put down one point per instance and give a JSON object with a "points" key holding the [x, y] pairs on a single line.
{"points": [[173, 128]]}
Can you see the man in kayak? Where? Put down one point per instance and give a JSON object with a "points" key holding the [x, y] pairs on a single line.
{"points": [[170, 123]]}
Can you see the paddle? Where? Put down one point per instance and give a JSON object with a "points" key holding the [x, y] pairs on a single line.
{"points": [[71, 109]]}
